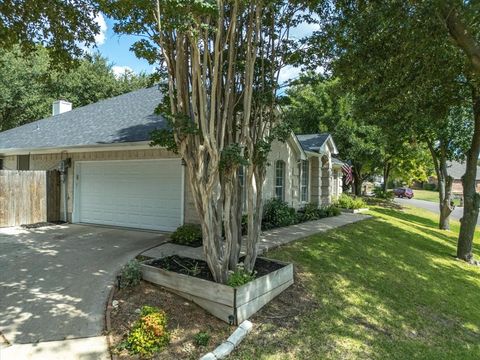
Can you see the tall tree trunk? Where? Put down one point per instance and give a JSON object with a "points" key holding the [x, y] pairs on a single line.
{"points": [[387, 167], [471, 197], [357, 180], [445, 182]]}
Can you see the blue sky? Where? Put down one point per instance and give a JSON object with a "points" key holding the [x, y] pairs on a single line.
{"points": [[117, 49]]}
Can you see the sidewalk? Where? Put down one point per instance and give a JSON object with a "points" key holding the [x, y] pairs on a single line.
{"points": [[269, 239]]}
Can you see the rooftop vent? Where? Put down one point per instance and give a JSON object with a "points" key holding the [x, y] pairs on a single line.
{"points": [[60, 107]]}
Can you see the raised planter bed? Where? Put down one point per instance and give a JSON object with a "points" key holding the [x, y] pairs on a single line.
{"points": [[232, 305], [354, 211]]}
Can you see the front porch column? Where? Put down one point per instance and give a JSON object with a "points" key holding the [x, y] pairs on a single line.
{"points": [[326, 186], [316, 183]]}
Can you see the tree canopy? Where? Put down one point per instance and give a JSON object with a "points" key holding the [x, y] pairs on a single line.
{"points": [[64, 28], [28, 84]]}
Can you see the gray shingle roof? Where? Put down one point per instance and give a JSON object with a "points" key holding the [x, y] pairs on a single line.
{"points": [[126, 118], [312, 142], [456, 170]]}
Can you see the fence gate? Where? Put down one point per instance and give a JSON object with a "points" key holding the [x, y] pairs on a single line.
{"points": [[29, 197]]}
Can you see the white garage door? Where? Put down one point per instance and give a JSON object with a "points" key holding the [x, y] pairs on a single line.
{"points": [[138, 194]]}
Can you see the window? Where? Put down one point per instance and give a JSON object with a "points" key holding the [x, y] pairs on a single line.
{"points": [[304, 177], [280, 180], [23, 162]]}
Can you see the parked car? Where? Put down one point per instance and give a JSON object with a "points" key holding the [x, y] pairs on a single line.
{"points": [[403, 192]]}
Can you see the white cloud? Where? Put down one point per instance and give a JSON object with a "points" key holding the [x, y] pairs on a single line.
{"points": [[121, 70], [100, 37], [289, 72]]}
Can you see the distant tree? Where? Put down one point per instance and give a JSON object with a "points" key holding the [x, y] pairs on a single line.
{"points": [[412, 63], [28, 84], [317, 104], [62, 27]]}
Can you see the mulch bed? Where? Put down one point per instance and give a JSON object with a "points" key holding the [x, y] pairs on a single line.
{"points": [[199, 268], [186, 319]]}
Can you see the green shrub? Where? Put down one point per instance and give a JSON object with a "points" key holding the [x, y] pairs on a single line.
{"points": [[130, 275], [202, 338], [240, 276], [348, 202], [379, 193], [310, 212], [331, 210], [277, 213], [188, 234], [149, 333]]}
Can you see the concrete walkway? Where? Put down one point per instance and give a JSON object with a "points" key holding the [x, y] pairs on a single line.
{"points": [[269, 239]]}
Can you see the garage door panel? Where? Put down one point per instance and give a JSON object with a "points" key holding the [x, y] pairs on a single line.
{"points": [[141, 194]]}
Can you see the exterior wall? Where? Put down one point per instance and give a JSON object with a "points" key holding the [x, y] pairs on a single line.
{"points": [[51, 161], [457, 187], [10, 162], [285, 152]]}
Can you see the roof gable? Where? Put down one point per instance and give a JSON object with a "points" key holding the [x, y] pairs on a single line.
{"points": [[317, 142], [457, 169], [125, 118]]}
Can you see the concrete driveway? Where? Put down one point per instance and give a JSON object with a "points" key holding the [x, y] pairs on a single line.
{"points": [[54, 281]]}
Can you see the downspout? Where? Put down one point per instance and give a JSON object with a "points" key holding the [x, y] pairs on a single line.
{"points": [[63, 168]]}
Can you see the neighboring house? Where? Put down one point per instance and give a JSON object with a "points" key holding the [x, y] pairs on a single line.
{"points": [[114, 176], [456, 170]]}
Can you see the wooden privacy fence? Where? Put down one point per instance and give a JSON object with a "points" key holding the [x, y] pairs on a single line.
{"points": [[29, 197]]}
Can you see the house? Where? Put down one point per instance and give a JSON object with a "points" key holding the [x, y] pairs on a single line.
{"points": [[456, 170], [114, 177]]}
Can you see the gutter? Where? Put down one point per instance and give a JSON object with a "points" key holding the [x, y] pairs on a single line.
{"points": [[140, 145]]}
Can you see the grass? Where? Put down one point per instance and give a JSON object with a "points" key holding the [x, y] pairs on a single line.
{"points": [[429, 195], [384, 288]]}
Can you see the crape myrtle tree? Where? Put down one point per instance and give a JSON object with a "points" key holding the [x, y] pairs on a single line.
{"points": [[418, 61], [221, 63]]}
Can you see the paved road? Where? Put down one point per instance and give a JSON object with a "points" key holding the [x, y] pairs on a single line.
{"points": [[54, 281], [431, 206]]}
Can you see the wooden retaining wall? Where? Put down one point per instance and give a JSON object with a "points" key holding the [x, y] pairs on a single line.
{"points": [[29, 197]]}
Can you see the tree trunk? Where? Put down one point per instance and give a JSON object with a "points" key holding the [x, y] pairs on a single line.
{"points": [[471, 197], [445, 182], [357, 180], [386, 173], [256, 176]]}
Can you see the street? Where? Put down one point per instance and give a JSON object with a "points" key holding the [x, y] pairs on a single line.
{"points": [[431, 206]]}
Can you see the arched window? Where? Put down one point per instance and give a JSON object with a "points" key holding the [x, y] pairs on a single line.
{"points": [[280, 180]]}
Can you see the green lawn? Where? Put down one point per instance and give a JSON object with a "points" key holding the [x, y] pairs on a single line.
{"points": [[384, 288], [429, 195]]}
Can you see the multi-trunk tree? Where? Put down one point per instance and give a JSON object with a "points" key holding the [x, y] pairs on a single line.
{"points": [[220, 62]]}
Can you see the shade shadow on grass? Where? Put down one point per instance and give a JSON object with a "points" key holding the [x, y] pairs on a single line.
{"points": [[387, 288]]}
